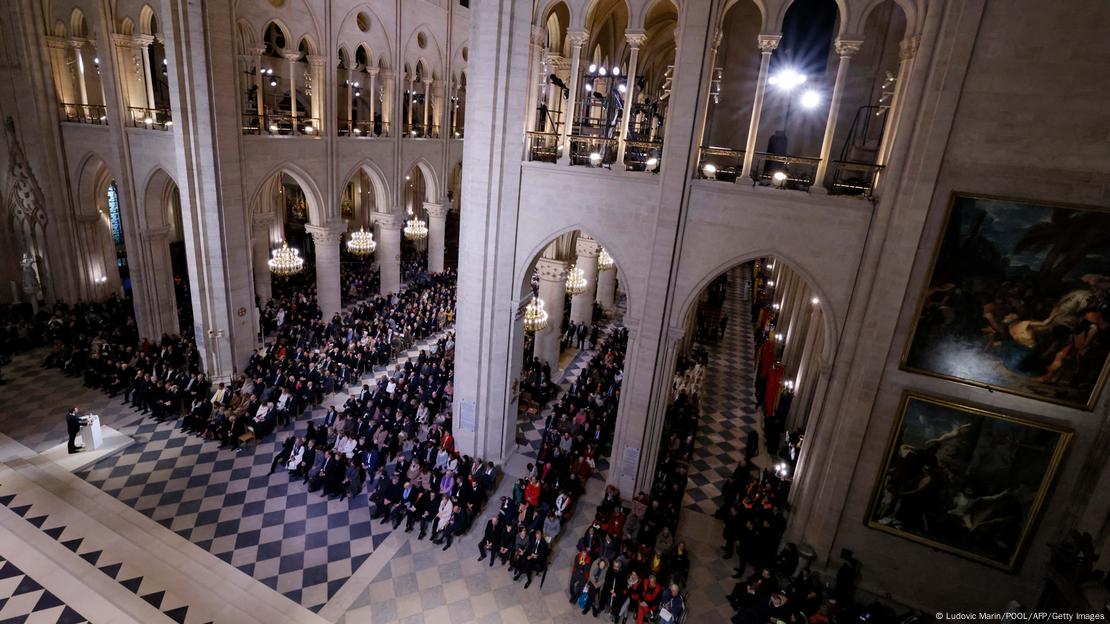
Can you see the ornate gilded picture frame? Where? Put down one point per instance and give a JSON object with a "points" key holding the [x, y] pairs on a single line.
{"points": [[1018, 300], [964, 479]]}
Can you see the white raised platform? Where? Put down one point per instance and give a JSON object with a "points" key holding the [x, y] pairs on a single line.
{"points": [[112, 442]]}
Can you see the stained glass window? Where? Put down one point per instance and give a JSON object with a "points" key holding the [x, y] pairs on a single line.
{"points": [[113, 213]]}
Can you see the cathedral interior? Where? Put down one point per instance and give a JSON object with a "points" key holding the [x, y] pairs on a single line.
{"points": [[749, 311]]}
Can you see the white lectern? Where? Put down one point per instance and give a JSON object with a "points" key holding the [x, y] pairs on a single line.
{"points": [[90, 433]]}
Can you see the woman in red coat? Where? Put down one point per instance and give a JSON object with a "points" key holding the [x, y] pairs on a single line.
{"points": [[649, 598]]}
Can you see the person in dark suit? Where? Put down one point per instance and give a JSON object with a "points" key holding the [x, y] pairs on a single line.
{"points": [[73, 425]]}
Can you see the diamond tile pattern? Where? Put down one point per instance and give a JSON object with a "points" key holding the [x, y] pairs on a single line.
{"points": [[268, 526], [728, 405], [23, 599]]}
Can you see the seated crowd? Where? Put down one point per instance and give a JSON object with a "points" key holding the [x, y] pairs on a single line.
{"points": [[578, 430], [628, 563]]}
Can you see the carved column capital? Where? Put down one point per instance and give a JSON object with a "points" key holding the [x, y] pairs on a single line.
{"points": [[768, 43], [539, 36], [578, 38], [585, 247], [847, 47], [327, 234], [316, 60], [551, 270], [636, 39], [257, 51], [388, 220], [436, 210], [907, 48], [292, 57]]}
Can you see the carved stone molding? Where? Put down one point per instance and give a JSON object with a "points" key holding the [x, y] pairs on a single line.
{"points": [[551, 270], [326, 234], [847, 47], [586, 247], [436, 210], [578, 38], [636, 39], [768, 43], [907, 48]]}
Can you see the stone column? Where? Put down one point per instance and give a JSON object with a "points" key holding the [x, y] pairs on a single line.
{"points": [[635, 40], [582, 304], [293, 58], [577, 38], [553, 292], [82, 86], [389, 124], [160, 275], [767, 45], [373, 97], [63, 83], [259, 93], [607, 288], [535, 75], [389, 251], [427, 108], [437, 230], [260, 257], [142, 44], [907, 49], [326, 239], [845, 49], [316, 96]]}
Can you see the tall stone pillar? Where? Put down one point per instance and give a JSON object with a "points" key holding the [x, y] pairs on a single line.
{"points": [[553, 292], [316, 92], [437, 231], [635, 42], [82, 84], [388, 254], [389, 124], [846, 49], [373, 71], [577, 38], [160, 288], [260, 257], [582, 304], [767, 45], [326, 240], [907, 49], [607, 288], [293, 59]]}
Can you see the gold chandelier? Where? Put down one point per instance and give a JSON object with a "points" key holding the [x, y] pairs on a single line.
{"points": [[286, 261], [362, 243], [415, 228], [576, 280], [604, 260], [535, 317]]}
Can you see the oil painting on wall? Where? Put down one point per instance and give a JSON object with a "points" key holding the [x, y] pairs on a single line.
{"points": [[965, 480], [1018, 300]]}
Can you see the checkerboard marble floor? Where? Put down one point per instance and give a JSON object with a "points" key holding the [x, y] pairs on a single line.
{"points": [[268, 526], [729, 409], [24, 601], [36, 400]]}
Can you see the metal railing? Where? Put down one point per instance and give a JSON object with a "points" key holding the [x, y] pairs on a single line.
{"points": [[363, 129], [150, 118], [420, 131], [96, 114], [543, 147], [593, 151], [719, 163], [639, 155], [280, 124], [797, 172], [852, 178]]}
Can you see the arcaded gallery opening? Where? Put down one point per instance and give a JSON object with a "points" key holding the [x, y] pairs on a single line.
{"points": [[554, 311]]}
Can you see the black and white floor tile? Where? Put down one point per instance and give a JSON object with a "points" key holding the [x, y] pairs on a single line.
{"points": [[24, 601]]}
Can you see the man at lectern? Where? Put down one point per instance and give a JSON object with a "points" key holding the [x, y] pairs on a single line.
{"points": [[73, 423]]}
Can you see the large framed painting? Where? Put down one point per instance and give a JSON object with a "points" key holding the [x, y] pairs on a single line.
{"points": [[1018, 300], [964, 479]]}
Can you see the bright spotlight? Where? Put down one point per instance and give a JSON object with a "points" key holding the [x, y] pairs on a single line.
{"points": [[710, 170], [811, 99], [779, 178], [652, 163], [787, 79]]}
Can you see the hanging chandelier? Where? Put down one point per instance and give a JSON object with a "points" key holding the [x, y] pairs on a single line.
{"points": [[535, 317], [286, 261], [604, 260], [362, 243], [576, 280], [415, 228]]}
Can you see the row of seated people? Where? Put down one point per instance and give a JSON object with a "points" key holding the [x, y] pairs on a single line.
{"points": [[413, 263], [358, 278], [628, 564], [576, 432]]}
